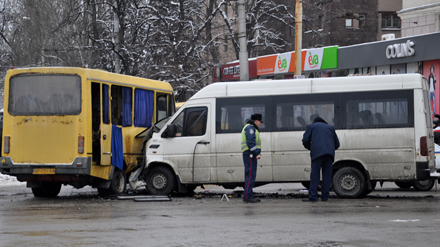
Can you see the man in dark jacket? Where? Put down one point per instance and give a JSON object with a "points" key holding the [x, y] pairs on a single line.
{"points": [[322, 141], [251, 148]]}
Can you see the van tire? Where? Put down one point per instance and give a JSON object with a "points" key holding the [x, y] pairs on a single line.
{"points": [[423, 185], [160, 181], [47, 189], [349, 182]]}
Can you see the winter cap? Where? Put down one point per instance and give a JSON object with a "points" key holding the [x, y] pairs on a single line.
{"points": [[257, 116]]}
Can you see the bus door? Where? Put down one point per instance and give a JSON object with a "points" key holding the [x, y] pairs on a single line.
{"points": [[106, 128], [190, 149]]}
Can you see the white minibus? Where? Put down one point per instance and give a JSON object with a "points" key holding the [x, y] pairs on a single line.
{"points": [[384, 124]]}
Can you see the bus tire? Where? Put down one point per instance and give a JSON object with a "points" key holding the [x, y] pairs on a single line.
{"points": [[48, 190], [160, 181], [117, 184], [423, 185], [349, 182], [403, 184]]}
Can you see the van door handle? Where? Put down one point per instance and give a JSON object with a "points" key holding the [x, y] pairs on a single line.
{"points": [[202, 142]]}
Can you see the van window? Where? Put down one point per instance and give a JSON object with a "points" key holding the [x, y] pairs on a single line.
{"points": [[297, 115], [191, 122], [233, 113], [381, 110]]}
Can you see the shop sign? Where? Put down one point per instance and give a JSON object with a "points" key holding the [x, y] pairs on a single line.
{"points": [[282, 63], [231, 72], [400, 50], [265, 65], [313, 59]]}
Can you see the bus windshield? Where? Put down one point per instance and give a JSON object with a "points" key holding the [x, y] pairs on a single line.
{"points": [[45, 95]]}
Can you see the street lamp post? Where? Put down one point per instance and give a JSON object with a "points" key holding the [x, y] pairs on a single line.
{"points": [[243, 55], [298, 37]]}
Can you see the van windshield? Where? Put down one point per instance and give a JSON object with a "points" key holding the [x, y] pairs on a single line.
{"points": [[53, 94]]}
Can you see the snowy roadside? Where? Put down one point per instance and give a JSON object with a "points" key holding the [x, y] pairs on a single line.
{"points": [[6, 180]]}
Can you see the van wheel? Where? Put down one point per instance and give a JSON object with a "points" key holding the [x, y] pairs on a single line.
{"points": [[48, 190], [403, 184], [423, 185], [117, 185], [349, 182], [160, 181]]}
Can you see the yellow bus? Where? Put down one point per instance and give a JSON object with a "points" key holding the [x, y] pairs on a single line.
{"points": [[77, 126]]}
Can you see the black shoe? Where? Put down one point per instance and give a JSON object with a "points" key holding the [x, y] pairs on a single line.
{"points": [[308, 200], [252, 200]]}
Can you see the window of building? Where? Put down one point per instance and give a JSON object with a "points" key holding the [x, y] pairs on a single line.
{"points": [[362, 20], [390, 20], [349, 22]]}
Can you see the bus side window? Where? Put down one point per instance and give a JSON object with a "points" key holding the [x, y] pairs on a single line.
{"points": [[143, 107], [161, 107], [121, 105], [105, 113]]}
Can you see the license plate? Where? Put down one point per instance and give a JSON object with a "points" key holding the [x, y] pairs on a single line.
{"points": [[44, 171]]}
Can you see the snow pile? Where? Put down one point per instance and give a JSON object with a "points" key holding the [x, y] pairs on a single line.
{"points": [[6, 180]]}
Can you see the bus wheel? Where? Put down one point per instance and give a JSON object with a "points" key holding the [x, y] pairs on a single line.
{"points": [[160, 181], [47, 190], [423, 185], [349, 182], [403, 184], [117, 185]]}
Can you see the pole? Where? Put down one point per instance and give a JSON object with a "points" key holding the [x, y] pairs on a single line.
{"points": [[116, 38], [243, 55], [298, 37]]}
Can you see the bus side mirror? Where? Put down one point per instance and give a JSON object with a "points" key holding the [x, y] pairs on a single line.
{"points": [[170, 131]]}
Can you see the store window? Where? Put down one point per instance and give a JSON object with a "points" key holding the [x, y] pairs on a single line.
{"points": [[390, 20]]}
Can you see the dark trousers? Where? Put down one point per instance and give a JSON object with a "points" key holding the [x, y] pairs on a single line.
{"points": [[325, 163], [250, 173]]}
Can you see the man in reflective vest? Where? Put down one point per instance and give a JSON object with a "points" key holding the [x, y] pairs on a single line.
{"points": [[251, 148]]}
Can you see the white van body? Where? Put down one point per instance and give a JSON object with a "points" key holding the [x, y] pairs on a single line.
{"points": [[384, 125]]}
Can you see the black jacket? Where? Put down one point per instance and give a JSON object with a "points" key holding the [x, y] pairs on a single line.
{"points": [[321, 139]]}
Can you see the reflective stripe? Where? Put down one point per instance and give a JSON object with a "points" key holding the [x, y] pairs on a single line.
{"points": [[252, 149]]}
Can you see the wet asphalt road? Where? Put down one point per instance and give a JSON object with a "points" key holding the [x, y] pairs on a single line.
{"points": [[387, 217]]}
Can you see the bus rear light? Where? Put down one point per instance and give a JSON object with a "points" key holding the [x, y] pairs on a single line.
{"points": [[423, 146], [81, 144], [7, 144]]}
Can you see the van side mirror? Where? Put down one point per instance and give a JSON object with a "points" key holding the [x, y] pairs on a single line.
{"points": [[170, 131]]}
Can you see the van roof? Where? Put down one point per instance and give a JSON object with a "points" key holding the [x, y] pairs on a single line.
{"points": [[312, 85]]}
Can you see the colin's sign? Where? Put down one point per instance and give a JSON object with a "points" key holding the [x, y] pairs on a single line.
{"points": [[400, 50]]}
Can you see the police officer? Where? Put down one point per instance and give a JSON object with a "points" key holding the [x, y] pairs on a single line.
{"points": [[322, 141], [251, 148]]}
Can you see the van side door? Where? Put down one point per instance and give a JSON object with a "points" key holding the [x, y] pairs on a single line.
{"points": [[190, 149]]}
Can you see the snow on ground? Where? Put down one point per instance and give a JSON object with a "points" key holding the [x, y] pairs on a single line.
{"points": [[6, 180]]}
